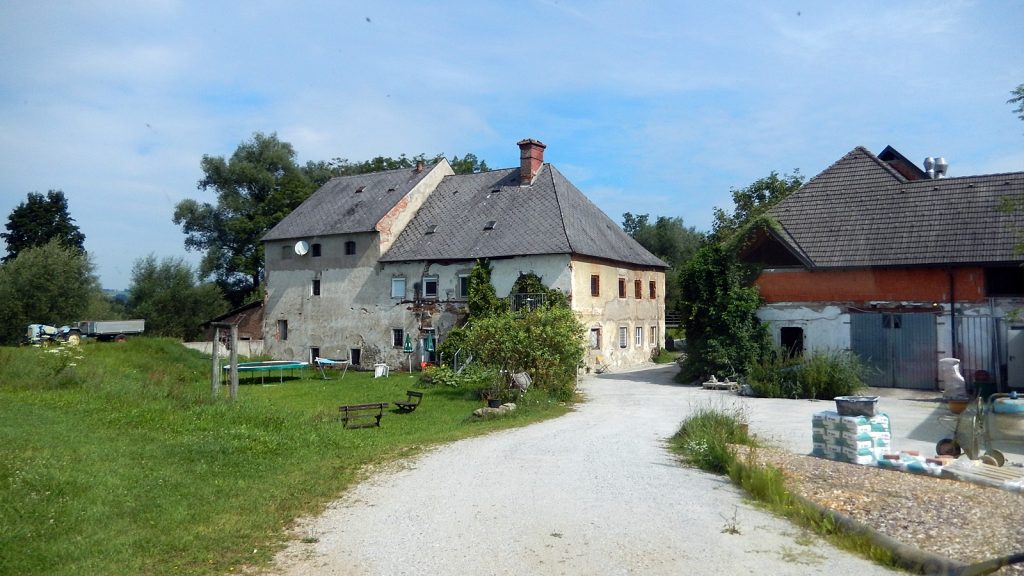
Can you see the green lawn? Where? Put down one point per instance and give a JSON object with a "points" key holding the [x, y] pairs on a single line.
{"points": [[114, 459]]}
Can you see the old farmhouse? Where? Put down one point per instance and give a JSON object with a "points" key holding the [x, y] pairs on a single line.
{"points": [[371, 262], [900, 265]]}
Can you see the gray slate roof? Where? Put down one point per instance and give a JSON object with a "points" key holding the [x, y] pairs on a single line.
{"points": [[551, 216], [859, 212], [337, 207]]}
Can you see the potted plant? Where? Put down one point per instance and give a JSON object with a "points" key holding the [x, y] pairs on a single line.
{"points": [[492, 396]]}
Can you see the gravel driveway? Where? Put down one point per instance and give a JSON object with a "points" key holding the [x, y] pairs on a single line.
{"points": [[592, 492]]}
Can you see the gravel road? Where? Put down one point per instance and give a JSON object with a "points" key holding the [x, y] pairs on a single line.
{"points": [[592, 492]]}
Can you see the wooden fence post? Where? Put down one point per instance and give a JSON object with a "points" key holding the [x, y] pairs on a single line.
{"points": [[234, 361], [215, 370]]}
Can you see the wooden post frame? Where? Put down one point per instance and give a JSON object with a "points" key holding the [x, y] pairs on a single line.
{"points": [[233, 358], [215, 357]]}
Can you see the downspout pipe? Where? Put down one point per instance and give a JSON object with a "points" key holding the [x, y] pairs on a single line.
{"points": [[952, 312]]}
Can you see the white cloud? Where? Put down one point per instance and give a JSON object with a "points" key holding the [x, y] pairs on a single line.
{"points": [[653, 108]]}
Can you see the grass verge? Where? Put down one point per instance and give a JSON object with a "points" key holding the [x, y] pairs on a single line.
{"points": [[664, 356], [708, 439], [116, 459]]}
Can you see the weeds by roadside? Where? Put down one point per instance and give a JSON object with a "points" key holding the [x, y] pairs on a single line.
{"points": [[709, 439], [820, 375]]}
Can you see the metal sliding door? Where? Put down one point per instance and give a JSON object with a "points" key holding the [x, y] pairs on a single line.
{"points": [[899, 349]]}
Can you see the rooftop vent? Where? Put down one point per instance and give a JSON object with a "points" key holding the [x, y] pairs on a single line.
{"points": [[391, 190], [432, 228], [935, 167], [490, 224], [360, 189]]}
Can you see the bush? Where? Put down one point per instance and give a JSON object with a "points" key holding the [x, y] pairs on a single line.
{"points": [[820, 375], [723, 333], [473, 376], [547, 343]]}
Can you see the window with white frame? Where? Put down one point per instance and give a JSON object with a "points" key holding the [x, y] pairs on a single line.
{"points": [[639, 336], [595, 338], [430, 286], [398, 287], [623, 336], [653, 336]]}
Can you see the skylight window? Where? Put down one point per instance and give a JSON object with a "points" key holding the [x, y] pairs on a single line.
{"points": [[490, 224], [432, 228], [360, 189], [391, 189]]}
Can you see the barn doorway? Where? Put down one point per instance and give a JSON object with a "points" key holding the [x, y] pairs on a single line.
{"points": [[898, 348], [792, 340]]}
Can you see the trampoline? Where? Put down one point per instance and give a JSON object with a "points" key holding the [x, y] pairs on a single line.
{"points": [[267, 366]]}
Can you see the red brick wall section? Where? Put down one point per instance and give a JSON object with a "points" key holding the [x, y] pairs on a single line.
{"points": [[917, 285]]}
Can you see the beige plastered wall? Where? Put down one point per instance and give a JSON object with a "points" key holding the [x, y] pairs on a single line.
{"points": [[606, 315]]}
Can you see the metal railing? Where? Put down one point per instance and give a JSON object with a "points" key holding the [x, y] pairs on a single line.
{"points": [[526, 301]]}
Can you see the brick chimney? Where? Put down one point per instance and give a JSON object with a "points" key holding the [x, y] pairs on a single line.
{"points": [[531, 157]]}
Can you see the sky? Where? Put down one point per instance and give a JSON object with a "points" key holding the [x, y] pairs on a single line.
{"points": [[656, 108]]}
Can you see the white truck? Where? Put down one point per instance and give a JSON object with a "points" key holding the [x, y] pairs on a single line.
{"points": [[116, 330]]}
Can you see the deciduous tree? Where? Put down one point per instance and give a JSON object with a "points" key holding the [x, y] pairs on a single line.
{"points": [[38, 220], [1018, 99], [257, 187], [49, 284], [668, 239], [168, 295], [321, 171], [753, 201], [724, 336]]}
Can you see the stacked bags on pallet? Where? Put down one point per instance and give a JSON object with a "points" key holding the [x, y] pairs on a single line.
{"points": [[854, 439]]}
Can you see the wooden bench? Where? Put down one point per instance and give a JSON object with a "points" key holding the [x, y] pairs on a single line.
{"points": [[362, 415], [412, 400]]}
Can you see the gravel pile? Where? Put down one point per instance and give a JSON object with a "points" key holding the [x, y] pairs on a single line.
{"points": [[958, 520]]}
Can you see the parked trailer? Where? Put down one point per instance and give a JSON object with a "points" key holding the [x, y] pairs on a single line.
{"points": [[116, 330]]}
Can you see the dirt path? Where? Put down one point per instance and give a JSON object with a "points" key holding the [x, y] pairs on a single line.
{"points": [[593, 492]]}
